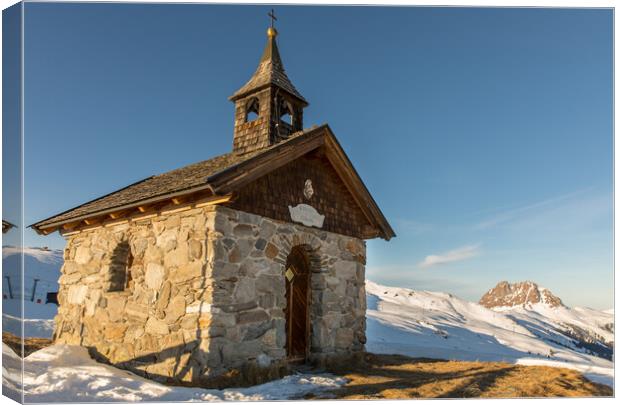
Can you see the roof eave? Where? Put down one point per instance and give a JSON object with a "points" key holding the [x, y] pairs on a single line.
{"points": [[381, 222], [163, 197], [241, 93]]}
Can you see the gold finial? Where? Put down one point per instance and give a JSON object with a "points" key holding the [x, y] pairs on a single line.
{"points": [[271, 31]]}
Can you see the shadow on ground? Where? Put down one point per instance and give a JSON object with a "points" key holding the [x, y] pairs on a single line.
{"points": [[401, 377]]}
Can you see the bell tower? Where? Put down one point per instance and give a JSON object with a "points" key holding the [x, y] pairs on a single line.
{"points": [[268, 108]]}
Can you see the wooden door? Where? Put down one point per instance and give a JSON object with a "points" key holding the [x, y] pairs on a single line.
{"points": [[297, 275]]}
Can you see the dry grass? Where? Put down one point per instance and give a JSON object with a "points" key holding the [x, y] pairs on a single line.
{"points": [[400, 377], [30, 344]]}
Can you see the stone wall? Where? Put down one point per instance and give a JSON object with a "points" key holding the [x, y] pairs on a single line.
{"points": [[249, 259], [204, 299], [150, 327]]}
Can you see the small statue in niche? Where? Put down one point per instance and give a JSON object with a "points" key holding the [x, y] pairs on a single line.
{"points": [[308, 190]]}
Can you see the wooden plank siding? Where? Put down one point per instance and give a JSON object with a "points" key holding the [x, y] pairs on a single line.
{"points": [[271, 194]]}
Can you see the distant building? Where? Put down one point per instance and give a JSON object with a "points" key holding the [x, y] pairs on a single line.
{"points": [[227, 270]]}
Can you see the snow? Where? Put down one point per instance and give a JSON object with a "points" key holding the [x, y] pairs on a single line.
{"points": [[43, 255], [41, 264], [438, 325], [586, 318], [38, 318], [62, 373], [11, 373]]}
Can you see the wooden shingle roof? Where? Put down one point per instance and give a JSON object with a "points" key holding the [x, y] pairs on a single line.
{"points": [[222, 175], [153, 186], [270, 71], [172, 182]]}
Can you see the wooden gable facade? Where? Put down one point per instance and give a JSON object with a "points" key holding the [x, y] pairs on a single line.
{"points": [[339, 193], [271, 195]]}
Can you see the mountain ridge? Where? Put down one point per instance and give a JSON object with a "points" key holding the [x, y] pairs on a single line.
{"points": [[522, 293]]}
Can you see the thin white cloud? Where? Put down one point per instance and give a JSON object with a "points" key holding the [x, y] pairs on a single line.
{"points": [[528, 209], [414, 227], [456, 255]]}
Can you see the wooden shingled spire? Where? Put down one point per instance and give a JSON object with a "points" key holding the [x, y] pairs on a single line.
{"points": [[268, 108], [270, 72]]}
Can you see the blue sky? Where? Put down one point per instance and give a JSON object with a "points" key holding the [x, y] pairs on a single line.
{"points": [[485, 135]]}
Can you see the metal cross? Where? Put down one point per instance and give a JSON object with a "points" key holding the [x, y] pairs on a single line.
{"points": [[272, 15]]}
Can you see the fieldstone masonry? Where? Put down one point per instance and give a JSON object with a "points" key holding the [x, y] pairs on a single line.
{"points": [[204, 296]]}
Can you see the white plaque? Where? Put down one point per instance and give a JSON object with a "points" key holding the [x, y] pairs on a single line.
{"points": [[307, 215]]}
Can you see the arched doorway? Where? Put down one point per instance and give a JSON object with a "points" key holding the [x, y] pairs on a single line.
{"points": [[297, 275]]}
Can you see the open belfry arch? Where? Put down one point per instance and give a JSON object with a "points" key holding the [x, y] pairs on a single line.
{"points": [[228, 270]]}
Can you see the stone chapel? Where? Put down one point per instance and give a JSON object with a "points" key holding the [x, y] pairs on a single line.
{"points": [[228, 270]]}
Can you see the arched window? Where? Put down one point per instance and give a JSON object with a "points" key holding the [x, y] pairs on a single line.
{"points": [[251, 110], [120, 265], [286, 113]]}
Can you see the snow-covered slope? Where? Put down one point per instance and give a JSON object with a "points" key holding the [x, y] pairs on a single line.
{"points": [[41, 323], [42, 265], [439, 325], [586, 329], [529, 304], [42, 254], [63, 373]]}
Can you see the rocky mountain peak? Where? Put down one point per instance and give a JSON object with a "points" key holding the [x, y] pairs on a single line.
{"points": [[505, 294]]}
